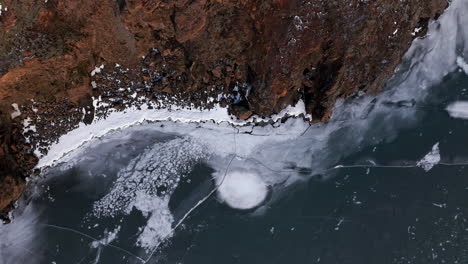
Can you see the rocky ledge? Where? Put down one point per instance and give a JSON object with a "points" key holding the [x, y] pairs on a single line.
{"points": [[57, 57]]}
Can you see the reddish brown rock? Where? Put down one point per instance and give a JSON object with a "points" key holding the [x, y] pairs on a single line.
{"points": [[276, 51], [12, 181]]}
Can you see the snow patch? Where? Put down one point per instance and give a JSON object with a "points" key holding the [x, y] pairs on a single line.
{"points": [[27, 122], [97, 70], [242, 189], [4, 9], [27, 126], [17, 112], [416, 30]]}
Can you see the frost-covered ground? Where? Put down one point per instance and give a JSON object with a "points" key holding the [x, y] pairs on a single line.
{"points": [[142, 185]]}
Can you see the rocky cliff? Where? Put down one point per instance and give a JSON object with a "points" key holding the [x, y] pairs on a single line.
{"points": [[252, 56]]}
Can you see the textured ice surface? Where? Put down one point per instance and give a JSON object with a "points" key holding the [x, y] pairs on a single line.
{"points": [[159, 225], [147, 184], [108, 237], [458, 109], [431, 159], [278, 154], [462, 64], [242, 189], [20, 241], [154, 173]]}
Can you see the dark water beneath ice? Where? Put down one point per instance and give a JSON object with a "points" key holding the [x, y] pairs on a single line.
{"points": [[349, 192], [397, 214]]}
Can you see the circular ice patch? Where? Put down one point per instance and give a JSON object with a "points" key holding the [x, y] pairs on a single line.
{"points": [[242, 190]]}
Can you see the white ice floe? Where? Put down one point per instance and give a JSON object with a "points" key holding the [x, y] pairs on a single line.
{"points": [[242, 189], [108, 237], [159, 223], [458, 109], [431, 159]]}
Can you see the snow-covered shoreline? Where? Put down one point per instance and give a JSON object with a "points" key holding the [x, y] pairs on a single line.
{"points": [[116, 120]]}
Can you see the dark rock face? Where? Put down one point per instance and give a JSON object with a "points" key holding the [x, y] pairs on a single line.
{"points": [[12, 181], [275, 51]]}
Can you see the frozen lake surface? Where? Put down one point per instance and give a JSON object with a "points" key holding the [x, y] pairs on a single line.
{"points": [[385, 181]]}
